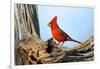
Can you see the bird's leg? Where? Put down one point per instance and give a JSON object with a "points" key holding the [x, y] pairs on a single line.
{"points": [[62, 43]]}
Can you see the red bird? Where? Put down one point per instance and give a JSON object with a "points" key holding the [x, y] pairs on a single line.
{"points": [[58, 33]]}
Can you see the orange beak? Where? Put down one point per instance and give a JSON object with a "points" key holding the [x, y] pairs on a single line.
{"points": [[49, 24]]}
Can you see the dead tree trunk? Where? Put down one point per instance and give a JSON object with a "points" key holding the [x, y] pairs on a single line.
{"points": [[25, 20]]}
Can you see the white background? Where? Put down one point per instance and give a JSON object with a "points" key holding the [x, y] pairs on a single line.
{"points": [[5, 39]]}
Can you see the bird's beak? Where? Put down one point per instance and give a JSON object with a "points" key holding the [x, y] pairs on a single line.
{"points": [[49, 25]]}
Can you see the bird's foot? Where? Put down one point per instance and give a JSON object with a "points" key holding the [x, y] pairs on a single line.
{"points": [[62, 44]]}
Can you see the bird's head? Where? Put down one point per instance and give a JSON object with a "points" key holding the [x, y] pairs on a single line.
{"points": [[53, 21]]}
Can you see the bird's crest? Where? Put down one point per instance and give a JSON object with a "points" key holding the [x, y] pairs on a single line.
{"points": [[54, 20]]}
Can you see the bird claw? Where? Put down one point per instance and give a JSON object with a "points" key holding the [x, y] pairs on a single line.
{"points": [[62, 43]]}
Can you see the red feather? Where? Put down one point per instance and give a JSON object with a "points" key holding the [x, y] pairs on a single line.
{"points": [[58, 33]]}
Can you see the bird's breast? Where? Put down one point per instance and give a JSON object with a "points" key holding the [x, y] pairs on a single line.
{"points": [[57, 35]]}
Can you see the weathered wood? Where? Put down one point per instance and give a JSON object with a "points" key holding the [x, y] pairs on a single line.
{"points": [[83, 52], [26, 20], [33, 50]]}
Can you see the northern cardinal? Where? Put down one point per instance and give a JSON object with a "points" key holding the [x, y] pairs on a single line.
{"points": [[58, 33]]}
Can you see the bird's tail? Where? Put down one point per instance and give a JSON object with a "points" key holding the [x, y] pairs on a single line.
{"points": [[76, 41]]}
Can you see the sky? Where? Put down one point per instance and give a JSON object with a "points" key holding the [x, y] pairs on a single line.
{"points": [[76, 22]]}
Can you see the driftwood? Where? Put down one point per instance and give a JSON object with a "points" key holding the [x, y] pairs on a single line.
{"points": [[33, 50], [82, 52]]}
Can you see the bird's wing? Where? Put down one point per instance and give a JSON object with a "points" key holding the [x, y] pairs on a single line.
{"points": [[63, 33]]}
